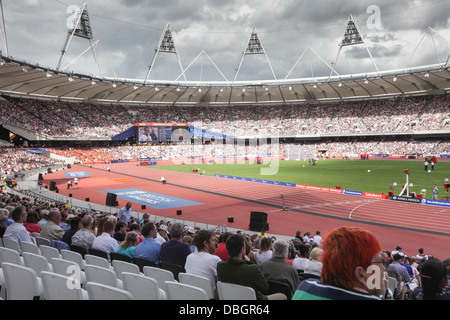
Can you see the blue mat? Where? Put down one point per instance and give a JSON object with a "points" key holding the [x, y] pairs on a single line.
{"points": [[78, 174], [151, 199]]}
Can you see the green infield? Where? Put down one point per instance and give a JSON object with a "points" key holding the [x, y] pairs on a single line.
{"points": [[377, 176]]}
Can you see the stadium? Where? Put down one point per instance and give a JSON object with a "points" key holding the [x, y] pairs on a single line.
{"points": [[279, 155]]}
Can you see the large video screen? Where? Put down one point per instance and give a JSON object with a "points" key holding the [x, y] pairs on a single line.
{"points": [[163, 132]]}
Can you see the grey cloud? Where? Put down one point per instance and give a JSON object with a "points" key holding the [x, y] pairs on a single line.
{"points": [[129, 32]]}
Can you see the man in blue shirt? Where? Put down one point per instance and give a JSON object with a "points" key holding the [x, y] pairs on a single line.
{"points": [[125, 213], [435, 192], [149, 248]]}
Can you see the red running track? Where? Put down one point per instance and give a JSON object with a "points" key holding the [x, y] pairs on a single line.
{"points": [[394, 223]]}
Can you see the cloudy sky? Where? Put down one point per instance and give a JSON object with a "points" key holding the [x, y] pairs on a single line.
{"points": [[300, 37]]}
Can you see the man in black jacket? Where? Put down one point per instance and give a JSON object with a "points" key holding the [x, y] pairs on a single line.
{"points": [[237, 271]]}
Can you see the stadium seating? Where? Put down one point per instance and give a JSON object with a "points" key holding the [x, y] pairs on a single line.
{"points": [[89, 120]]}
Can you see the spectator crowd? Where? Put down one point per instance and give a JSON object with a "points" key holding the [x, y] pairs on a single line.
{"points": [[310, 265], [76, 120]]}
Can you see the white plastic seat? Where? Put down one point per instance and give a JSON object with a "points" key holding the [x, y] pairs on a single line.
{"points": [[97, 261], [230, 291], [102, 275], [2, 284], [22, 283], [43, 241], [160, 275], [10, 256], [392, 284], [74, 257], [29, 247], [36, 262], [56, 287], [120, 267], [12, 244], [142, 287], [49, 252], [181, 291], [98, 291], [70, 269], [197, 281]]}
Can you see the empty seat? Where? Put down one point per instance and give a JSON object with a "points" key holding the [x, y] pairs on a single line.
{"points": [[2, 284], [70, 269], [392, 285], [22, 283], [37, 262], [120, 267], [97, 261], [29, 247], [56, 287], [98, 291], [74, 257], [159, 275], [102, 275], [181, 291], [43, 241], [11, 256], [12, 244], [49, 252], [230, 291], [197, 281], [142, 287], [174, 268]]}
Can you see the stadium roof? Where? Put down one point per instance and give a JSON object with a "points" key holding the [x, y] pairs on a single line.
{"points": [[27, 80]]}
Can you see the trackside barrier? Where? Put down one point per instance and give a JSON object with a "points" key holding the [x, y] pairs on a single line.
{"points": [[436, 203], [334, 190], [306, 187], [353, 193], [284, 184], [375, 195]]}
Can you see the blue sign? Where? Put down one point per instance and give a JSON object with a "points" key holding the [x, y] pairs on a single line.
{"points": [[353, 193], [284, 184], [78, 174], [36, 151], [436, 203], [151, 199]]}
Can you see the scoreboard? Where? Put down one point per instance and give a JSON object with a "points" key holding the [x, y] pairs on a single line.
{"points": [[162, 132]]}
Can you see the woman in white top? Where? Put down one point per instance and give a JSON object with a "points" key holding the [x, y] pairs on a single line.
{"points": [[314, 265], [299, 262], [265, 251]]}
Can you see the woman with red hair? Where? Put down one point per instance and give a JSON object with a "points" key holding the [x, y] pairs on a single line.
{"points": [[353, 268]]}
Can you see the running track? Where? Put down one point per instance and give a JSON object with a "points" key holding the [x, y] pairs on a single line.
{"points": [[394, 223]]}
